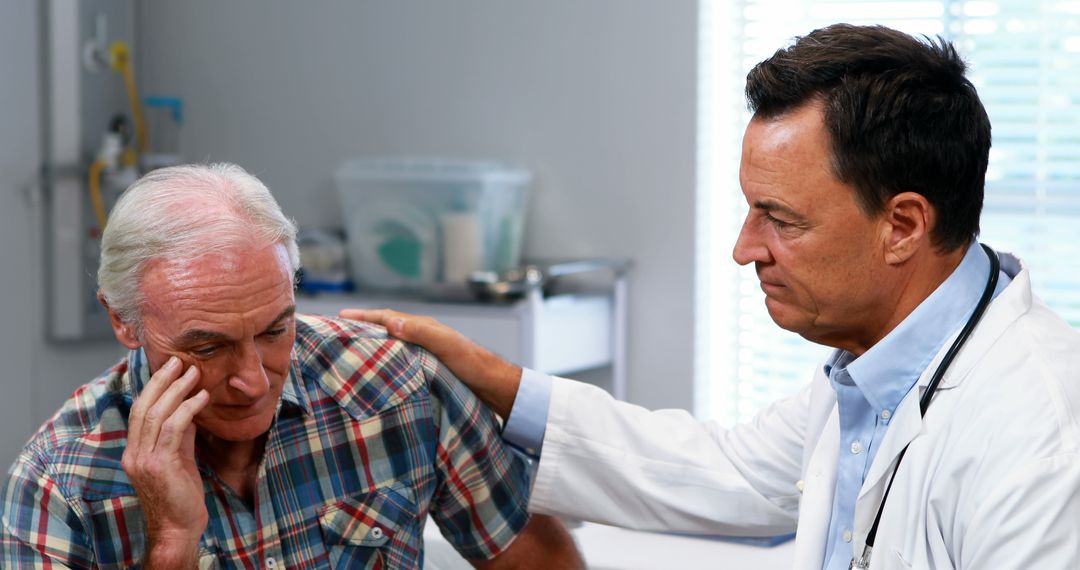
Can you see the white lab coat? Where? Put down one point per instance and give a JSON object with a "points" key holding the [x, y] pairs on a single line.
{"points": [[991, 479]]}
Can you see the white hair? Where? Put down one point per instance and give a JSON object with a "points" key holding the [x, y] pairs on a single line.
{"points": [[183, 212]]}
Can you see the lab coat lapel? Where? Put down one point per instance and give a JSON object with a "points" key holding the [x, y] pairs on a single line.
{"points": [[906, 425], [907, 421], [819, 488]]}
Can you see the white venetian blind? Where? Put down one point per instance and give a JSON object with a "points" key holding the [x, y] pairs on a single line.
{"points": [[1024, 57]]}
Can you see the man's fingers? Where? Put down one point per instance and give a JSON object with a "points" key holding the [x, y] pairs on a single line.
{"points": [[160, 411], [175, 429], [425, 331], [159, 380], [393, 321], [368, 315], [373, 316]]}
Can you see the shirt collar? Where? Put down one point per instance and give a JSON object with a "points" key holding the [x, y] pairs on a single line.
{"points": [[885, 373], [293, 393], [139, 375]]}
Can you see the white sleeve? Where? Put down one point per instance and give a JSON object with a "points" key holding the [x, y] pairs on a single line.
{"points": [[616, 463]]}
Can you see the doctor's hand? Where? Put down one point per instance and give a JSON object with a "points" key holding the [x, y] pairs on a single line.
{"points": [[160, 462], [493, 380]]}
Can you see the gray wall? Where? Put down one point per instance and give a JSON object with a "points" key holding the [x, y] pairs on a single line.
{"points": [[37, 376], [596, 97], [18, 161]]}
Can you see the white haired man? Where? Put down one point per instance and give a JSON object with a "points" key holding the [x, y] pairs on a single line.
{"points": [[237, 434]]}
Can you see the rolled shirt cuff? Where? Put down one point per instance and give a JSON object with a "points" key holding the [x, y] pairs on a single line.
{"points": [[527, 424]]}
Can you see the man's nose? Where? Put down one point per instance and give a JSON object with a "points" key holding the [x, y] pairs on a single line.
{"points": [[249, 377], [750, 248]]}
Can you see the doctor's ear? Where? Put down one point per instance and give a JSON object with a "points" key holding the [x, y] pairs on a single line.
{"points": [[125, 333], [908, 220]]}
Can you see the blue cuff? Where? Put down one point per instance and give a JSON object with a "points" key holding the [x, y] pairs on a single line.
{"points": [[527, 423]]}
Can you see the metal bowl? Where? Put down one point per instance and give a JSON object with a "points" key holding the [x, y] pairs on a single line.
{"points": [[511, 284]]}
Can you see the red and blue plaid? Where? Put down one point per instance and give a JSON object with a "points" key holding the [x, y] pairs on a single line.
{"points": [[371, 436]]}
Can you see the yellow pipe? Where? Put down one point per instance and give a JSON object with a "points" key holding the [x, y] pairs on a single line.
{"points": [[96, 169], [120, 55]]}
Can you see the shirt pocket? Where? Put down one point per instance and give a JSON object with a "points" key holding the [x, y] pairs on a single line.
{"points": [[376, 529], [900, 562], [117, 531]]}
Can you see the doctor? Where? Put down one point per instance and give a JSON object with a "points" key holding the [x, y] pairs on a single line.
{"points": [[863, 168]]}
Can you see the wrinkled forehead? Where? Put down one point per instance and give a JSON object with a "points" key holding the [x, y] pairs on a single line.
{"points": [[231, 279]]}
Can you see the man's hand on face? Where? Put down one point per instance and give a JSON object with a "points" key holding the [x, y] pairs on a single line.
{"points": [[493, 380], [160, 461]]}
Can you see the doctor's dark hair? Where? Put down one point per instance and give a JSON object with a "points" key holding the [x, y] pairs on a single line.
{"points": [[900, 113]]}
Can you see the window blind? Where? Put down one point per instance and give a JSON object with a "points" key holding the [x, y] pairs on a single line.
{"points": [[1024, 59]]}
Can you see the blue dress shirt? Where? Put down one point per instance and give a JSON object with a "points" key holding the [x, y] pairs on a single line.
{"points": [[868, 389]]}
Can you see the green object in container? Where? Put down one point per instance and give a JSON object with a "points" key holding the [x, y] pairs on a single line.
{"points": [[402, 254], [508, 246]]}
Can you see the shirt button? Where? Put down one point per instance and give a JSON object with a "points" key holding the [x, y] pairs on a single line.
{"points": [[886, 414], [271, 562], [530, 451], [376, 533], [847, 536], [856, 447], [800, 485]]}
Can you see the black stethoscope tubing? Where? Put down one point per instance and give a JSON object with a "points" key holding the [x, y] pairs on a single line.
{"points": [[924, 402]]}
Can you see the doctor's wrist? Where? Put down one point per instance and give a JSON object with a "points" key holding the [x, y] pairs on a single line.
{"points": [[500, 387]]}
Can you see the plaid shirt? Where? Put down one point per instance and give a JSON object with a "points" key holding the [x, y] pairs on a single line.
{"points": [[370, 436]]}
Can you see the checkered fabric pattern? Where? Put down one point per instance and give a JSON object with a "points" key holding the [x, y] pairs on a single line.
{"points": [[371, 435]]}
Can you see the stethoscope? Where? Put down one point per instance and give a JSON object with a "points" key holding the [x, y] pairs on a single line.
{"points": [[863, 562]]}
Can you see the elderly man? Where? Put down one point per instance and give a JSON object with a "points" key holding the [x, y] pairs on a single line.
{"points": [[943, 432], [237, 434]]}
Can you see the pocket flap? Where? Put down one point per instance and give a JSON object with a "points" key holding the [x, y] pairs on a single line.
{"points": [[368, 519]]}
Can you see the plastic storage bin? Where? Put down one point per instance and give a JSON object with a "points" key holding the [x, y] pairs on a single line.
{"points": [[411, 223]]}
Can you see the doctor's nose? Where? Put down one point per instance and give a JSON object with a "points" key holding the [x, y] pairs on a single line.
{"points": [[749, 248]]}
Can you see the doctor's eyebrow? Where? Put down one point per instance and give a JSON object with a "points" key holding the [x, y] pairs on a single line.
{"points": [[774, 206]]}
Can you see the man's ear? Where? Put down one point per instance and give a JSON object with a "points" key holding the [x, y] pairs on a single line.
{"points": [[909, 219], [124, 332]]}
